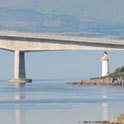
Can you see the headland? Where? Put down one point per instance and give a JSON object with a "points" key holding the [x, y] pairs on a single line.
{"points": [[115, 78]]}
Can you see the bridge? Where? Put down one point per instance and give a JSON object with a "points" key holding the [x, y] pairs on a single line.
{"points": [[20, 43]]}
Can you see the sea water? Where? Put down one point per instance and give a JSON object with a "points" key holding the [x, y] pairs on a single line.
{"points": [[55, 102]]}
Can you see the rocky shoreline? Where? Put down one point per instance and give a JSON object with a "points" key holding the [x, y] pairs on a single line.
{"points": [[100, 81], [116, 120]]}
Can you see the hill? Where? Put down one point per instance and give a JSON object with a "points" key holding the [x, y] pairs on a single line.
{"points": [[108, 11], [97, 18], [32, 21]]}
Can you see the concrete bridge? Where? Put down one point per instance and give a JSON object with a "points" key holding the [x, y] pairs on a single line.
{"points": [[21, 43]]}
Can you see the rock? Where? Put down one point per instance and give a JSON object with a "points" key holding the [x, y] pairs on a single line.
{"points": [[101, 81], [118, 120]]}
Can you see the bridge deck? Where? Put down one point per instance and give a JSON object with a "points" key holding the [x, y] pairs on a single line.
{"points": [[32, 42]]}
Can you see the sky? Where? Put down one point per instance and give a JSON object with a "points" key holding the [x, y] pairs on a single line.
{"points": [[69, 65]]}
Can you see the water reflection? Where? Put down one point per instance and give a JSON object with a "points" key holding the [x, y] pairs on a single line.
{"points": [[19, 85], [20, 116], [105, 105], [19, 113]]}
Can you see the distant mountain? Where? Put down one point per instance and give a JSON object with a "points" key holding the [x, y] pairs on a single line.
{"points": [[109, 11], [68, 17]]}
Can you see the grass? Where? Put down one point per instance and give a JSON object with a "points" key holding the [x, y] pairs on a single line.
{"points": [[120, 118], [119, 72]]}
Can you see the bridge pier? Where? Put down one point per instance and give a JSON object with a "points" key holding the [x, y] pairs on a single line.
{"points": [[19, 69]]}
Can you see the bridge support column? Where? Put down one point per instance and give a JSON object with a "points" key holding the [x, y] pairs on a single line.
{"points": [[19, 69], [19, 65]]}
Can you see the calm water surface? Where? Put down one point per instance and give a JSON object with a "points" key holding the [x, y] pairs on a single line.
{"points": [[54, 102]]}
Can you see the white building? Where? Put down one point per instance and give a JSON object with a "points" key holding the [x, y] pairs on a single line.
{"points": [[105, 64]]}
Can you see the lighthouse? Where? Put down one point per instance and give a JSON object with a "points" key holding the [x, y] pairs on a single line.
{"points": [[105, 64]]}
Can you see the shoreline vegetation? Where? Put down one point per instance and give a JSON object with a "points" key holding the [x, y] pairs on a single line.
{"points": [[115, 78], [116, 120]]}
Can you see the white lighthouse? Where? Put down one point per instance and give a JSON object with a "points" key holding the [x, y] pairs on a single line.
{"points": [[105, 64]]}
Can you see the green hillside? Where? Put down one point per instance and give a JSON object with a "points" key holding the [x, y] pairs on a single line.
{"points": [[119, 72]]}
